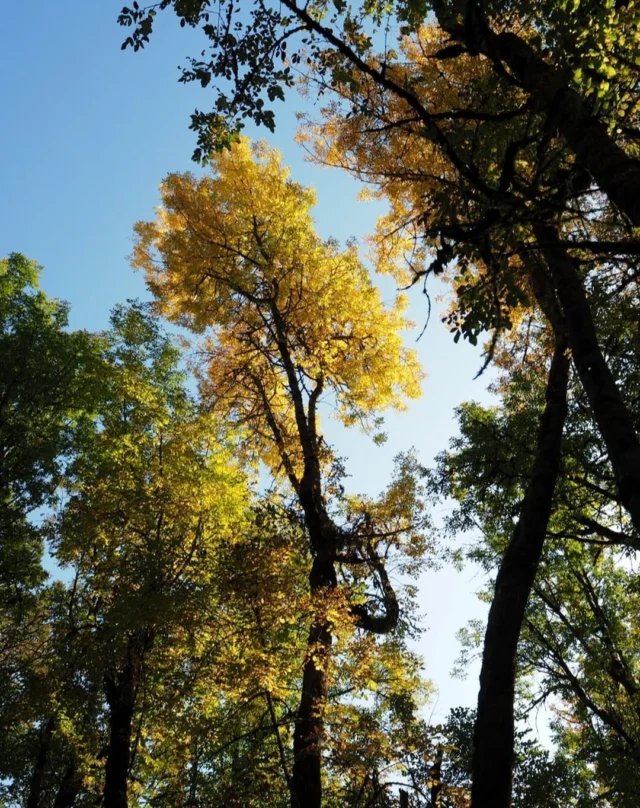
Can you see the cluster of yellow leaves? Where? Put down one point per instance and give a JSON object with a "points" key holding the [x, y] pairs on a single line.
{"points": [[397, 155], [236, 255], [422, 167], [154, 491]]}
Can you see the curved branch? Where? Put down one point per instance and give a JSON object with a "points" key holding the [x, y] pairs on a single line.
{"points": [[378, 624]]}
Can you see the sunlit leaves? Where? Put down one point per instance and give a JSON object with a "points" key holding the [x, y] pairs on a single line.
{"points": [[236, 252]]}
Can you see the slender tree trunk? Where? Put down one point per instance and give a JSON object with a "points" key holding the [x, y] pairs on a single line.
{"points": [[120, 687], [69, 788], [40, 764], [306, 776], [611, 414], [435, 776], [493, 741], [616, 173], [120, 691]]}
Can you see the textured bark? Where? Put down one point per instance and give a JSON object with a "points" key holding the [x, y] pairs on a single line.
{"points": [[616, 173], [69, 788], [610, 413], [492, 765], [306, 776], [40, 764], [120, 687], [120, 692]]}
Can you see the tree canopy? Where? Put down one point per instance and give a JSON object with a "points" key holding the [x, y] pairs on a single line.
{"points": [[195, 608]]}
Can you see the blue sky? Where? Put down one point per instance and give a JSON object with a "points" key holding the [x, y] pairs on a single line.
{"points": [[88, 133]]}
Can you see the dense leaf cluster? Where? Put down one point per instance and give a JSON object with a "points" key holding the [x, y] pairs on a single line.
{"points": [[206, 644]]}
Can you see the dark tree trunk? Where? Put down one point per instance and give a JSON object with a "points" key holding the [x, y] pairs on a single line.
{"points": [[306, 776], [494, 730], [616, 173], [120, 687], [120, 691], [69, 788], [40, 764], [435, 776], [610, 413]]}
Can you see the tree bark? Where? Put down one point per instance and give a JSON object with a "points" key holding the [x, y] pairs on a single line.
{"points": [[69, 788], [306, 776], [435, 776], [609, 410], [120, 692], [616, 173], [42, 757], [492, 764], [120, 687]]}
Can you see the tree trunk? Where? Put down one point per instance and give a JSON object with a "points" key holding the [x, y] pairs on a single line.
{"points": [[616, 173], [611, 414], [42, 757], [306, 776], [493, 741], [69, 788], [435, 776], [120, 687], [120, 692], [305, 784]]}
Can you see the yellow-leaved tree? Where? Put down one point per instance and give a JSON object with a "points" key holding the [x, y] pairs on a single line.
{"points": [[289, 321], [150, 497]]}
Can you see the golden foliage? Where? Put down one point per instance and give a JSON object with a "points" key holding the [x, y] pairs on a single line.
{"points": [[286, 314]]}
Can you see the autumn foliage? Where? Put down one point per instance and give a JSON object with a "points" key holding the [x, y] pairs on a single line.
{"points": [[195, 608]]}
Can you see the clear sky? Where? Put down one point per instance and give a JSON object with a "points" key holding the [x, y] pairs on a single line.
{"points": [[88, 132]]}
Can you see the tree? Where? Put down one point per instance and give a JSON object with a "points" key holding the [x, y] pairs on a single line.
{"points": [[343, 56], [40, 395], [447, 192], [44, 401], [222, 734], [253, 54], [291, 319], [590, 47], [168, 667], [151, 490], [578, 633], [439, 769]]}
